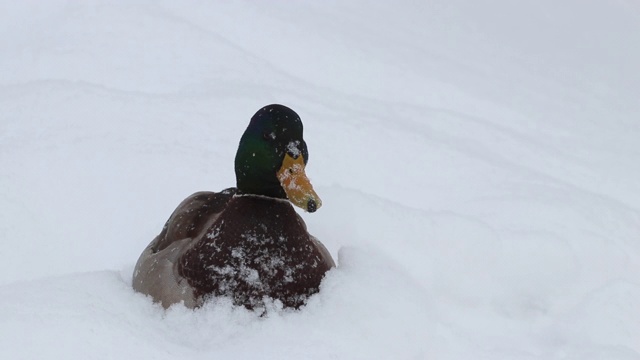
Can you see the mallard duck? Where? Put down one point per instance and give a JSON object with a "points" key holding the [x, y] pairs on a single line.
{"points": [[246, 243]]}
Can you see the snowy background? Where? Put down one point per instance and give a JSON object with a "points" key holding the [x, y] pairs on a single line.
{"points": [[478, 163]]}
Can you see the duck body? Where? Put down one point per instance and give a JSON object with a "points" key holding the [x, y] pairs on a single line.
{"points": [[241, 244]]}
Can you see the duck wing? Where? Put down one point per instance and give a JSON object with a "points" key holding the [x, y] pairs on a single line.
{"points": [[192, 217], [156, 272]]}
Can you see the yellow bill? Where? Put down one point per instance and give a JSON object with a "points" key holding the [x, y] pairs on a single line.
{"points": [[297, 185]]}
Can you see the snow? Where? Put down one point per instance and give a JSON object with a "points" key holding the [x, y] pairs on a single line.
{"points": [[477, 161]]}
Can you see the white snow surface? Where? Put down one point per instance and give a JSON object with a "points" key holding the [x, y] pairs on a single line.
{"points": [[477, 162]]}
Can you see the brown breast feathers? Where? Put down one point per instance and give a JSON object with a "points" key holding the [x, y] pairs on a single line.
{"points": [[257, 247]]}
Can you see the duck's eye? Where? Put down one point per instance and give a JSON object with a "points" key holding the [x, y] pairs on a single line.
{"points": [[269, 136]]}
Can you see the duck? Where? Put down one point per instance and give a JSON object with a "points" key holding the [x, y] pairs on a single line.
{"points": [[246, 243]]}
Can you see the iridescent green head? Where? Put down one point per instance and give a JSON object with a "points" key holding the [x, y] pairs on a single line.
{"points": [[272, 156]]}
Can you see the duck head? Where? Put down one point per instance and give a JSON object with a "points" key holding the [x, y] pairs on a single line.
{"points": [[272, 156]]}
